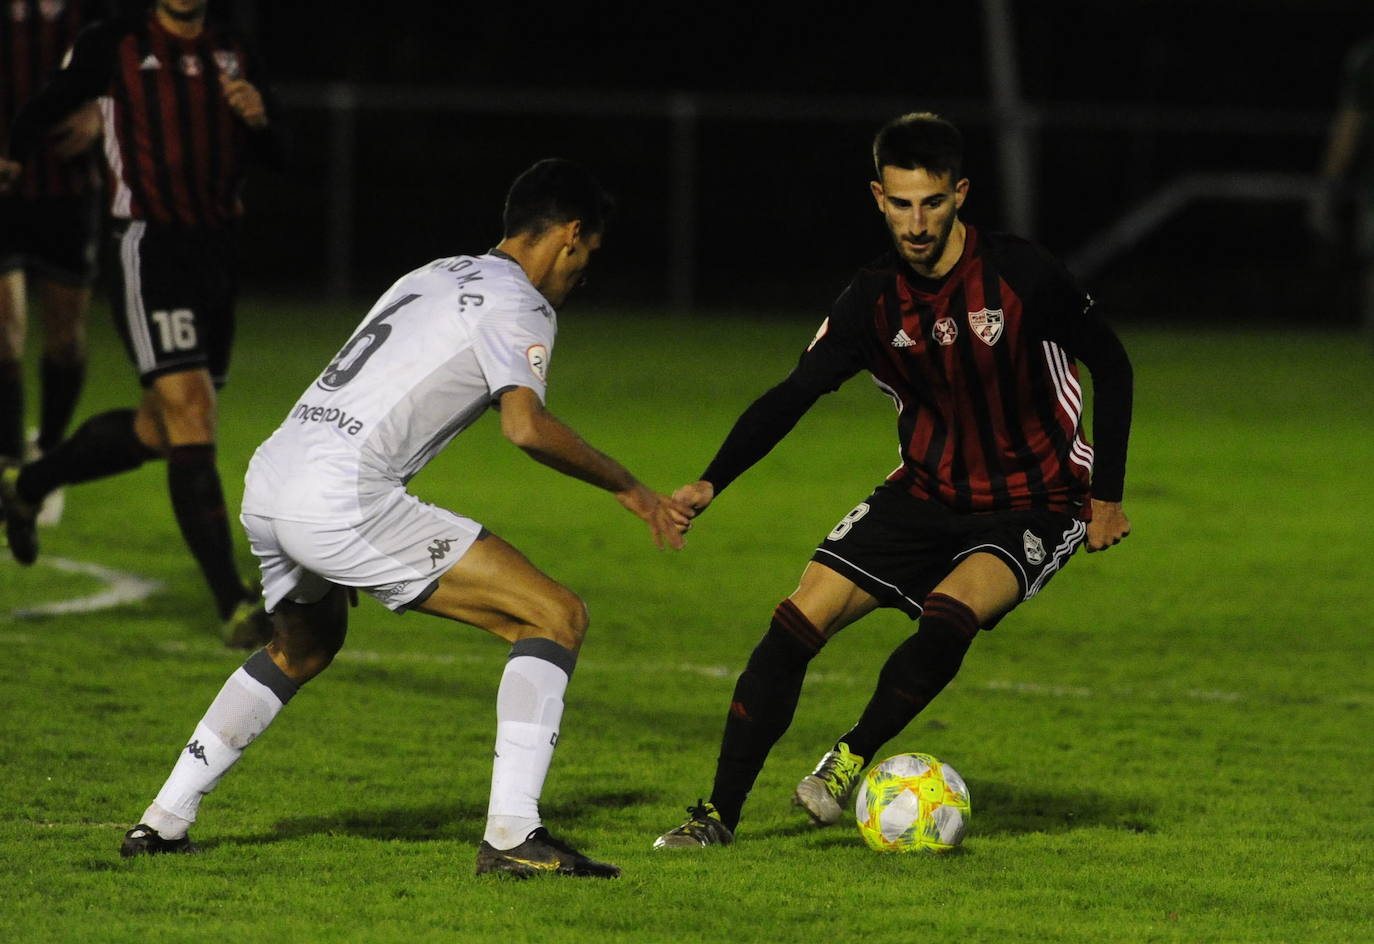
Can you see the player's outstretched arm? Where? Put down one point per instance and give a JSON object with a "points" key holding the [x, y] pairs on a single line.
{"points": [[547, 439], [1109, 525]]}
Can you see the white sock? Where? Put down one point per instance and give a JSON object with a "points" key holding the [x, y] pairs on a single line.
{"points": [[529, 707], [242, 710]]}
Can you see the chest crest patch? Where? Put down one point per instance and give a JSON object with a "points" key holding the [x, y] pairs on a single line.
{"points": [[945, 331], [986, 324], [228, 63]]}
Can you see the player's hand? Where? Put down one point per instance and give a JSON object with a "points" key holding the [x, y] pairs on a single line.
{"points": [[244, 100], [668, 519], [9, 173], [1109, 525], [76, 133], [697, 495]]}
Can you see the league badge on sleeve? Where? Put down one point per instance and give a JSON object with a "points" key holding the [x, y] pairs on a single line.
{"points": [[986, 324], [538, 356]]}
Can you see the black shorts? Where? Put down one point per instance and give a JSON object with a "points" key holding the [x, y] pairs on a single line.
{"points": [[173, 297], [898, 547], [52, 237]]}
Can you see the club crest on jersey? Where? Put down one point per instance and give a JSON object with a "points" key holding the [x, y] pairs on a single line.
{"points": [[538, 356], [820, 333], [228, 62], [986, 324], [190, 65], [1034, 547], [945, 331]]}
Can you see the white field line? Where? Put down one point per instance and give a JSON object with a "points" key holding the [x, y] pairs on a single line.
{"points": [[123, 585], [725, 672], [120, 588]]}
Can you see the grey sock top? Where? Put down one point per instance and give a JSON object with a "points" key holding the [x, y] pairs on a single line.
{"points": [[261, 668], [546, 649]]}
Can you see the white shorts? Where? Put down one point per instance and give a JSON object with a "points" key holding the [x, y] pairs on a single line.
{"points": [[396, 555]]}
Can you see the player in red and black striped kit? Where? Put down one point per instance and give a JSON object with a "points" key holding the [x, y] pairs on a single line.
{"points": [[49, 225], [974, 336], [184, 107]]}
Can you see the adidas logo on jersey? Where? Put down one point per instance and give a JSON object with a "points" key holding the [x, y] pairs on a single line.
{"points": [[902, 339], [149, 62]]}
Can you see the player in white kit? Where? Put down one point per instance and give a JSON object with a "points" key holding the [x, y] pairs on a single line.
{"points": [[326, 509]]}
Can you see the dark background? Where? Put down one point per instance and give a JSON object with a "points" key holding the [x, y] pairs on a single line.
{"points": [[1130, 96]]}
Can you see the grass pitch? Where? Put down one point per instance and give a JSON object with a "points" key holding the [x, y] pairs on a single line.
{"points": [[1171, 743]]}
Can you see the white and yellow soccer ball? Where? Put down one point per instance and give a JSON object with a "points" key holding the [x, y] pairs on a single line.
{"points": [[912, 802]]}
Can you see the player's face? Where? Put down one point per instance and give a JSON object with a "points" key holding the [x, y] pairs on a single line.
{"points": [[570, 268], [921, 210]]}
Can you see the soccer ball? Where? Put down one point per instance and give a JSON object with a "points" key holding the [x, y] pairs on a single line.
{"points": [[910, 802]]}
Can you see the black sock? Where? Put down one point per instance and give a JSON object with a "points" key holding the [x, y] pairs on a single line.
{"points": [[104, 445], [198, 503], [915, 673], [762, 708], [11, 410], [62, 383]]}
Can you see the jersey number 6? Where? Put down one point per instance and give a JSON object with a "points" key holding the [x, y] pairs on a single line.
{"points": [[353, 355]]}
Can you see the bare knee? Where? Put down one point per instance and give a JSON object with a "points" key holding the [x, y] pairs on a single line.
{"points": [[563, 618], [307, 636], [184, 407]]}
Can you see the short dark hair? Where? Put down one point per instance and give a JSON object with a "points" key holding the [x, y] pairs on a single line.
{"points": [[920, 139], [554, 191]]}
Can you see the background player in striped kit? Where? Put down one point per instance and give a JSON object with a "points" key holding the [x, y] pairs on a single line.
{"points": [[183, 105], [326, 507], [49, 225], [973, 335]]}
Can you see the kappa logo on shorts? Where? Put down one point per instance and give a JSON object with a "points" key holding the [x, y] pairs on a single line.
{"points": [[439, 549], [388, 592], [1034, 547]]}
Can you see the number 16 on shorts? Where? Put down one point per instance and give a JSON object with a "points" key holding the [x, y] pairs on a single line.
{"points": [[847, 522], [176, 329]]}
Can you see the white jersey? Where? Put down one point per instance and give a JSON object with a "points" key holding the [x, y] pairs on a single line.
{"points": [[431, 356]]}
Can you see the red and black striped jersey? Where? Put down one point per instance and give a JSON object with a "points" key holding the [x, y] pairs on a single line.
{"points": [[981, 366], [35, 37], [176, 151]]}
